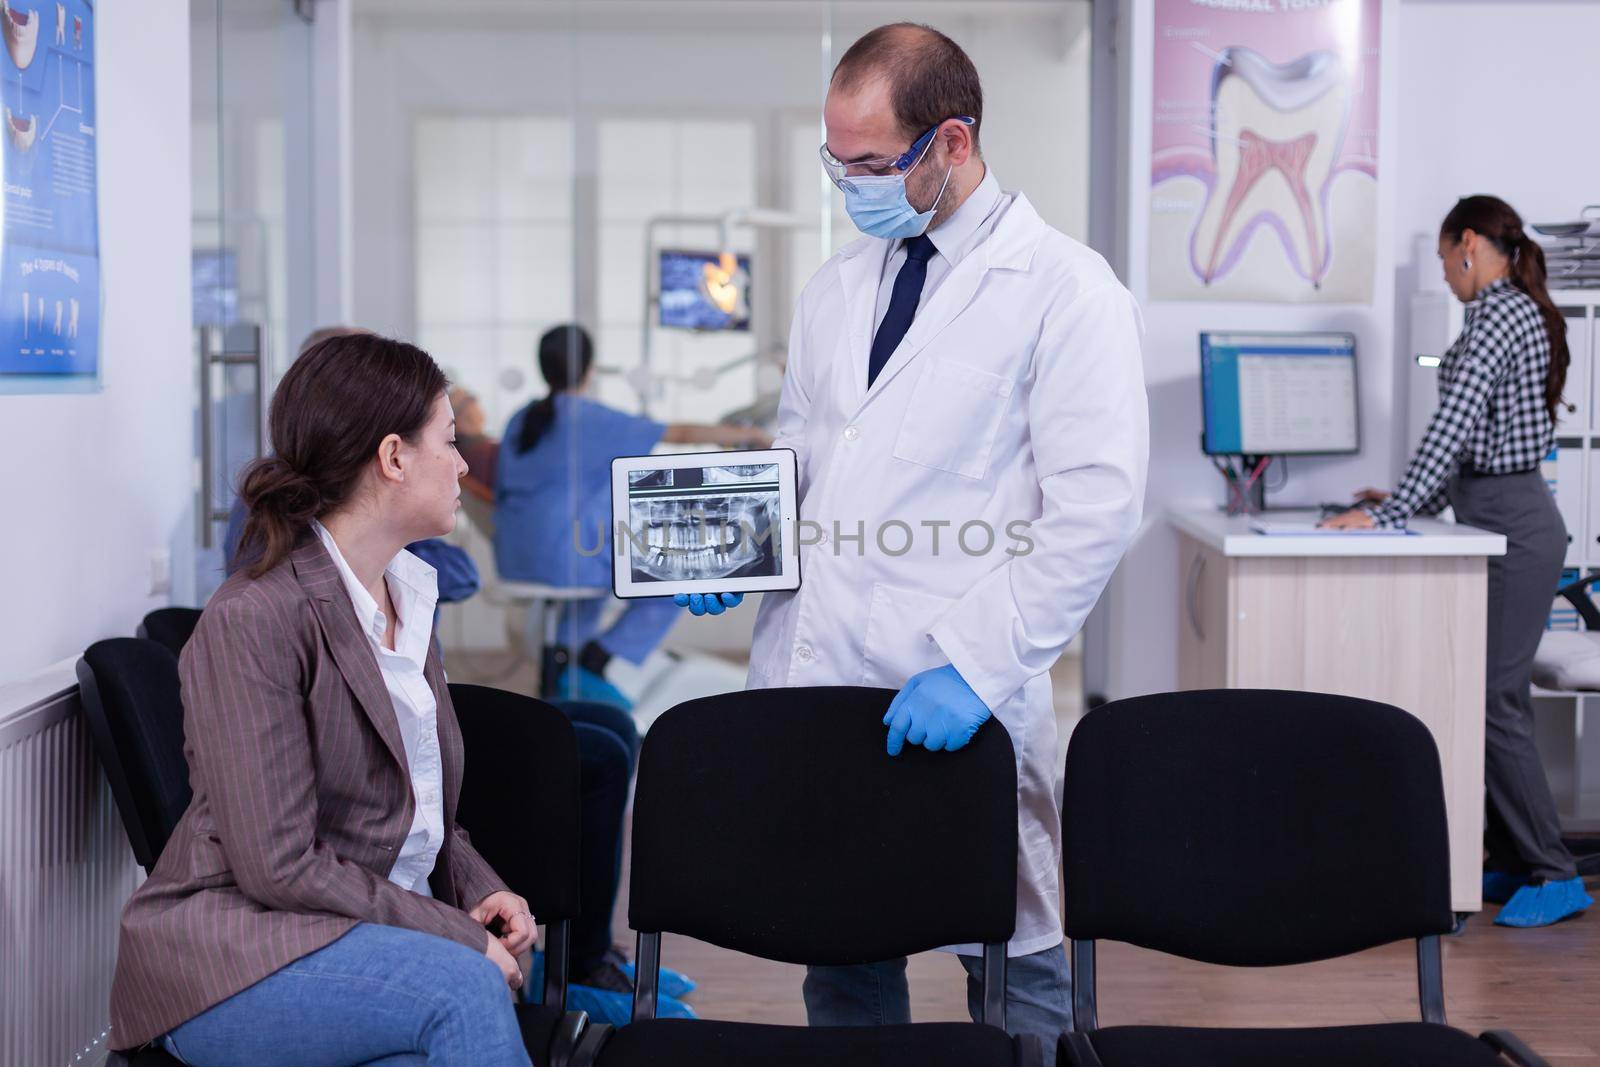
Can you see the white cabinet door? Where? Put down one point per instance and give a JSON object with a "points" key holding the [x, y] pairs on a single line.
{"points": [[1569, 498], [1580, 375]]}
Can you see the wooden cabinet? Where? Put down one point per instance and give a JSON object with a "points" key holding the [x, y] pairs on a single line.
{"points": [[1407, 630]]}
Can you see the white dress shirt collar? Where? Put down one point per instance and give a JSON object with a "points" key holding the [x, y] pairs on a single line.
{"points": [[954, 236], [414, 588]]}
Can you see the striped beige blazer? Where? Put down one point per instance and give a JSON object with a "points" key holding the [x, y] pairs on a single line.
{"points": [[301, 803]]}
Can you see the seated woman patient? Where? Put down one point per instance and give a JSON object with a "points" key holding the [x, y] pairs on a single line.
{"points": [[317, 904]]}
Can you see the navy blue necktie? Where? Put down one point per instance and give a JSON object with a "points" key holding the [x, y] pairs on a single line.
{"points": [[902, 304]]}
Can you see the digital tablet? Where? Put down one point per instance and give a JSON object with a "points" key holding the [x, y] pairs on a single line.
{"points": [[704, 522]]}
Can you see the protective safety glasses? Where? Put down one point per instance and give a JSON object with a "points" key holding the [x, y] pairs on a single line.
{"points": [[840, 172]]}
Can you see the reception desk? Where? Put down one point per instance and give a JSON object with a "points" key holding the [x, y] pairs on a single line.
{"points": [[1399, 619]]}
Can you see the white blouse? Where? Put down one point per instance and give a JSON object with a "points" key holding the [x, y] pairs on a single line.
{"points": [[414, 588]]}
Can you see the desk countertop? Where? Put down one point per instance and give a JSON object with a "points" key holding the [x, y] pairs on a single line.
{"points": [[1232, 536]]}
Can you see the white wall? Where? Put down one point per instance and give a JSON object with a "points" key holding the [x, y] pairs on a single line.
{"points": [[1496, 104], [1141, 607], [94, 484], [1478, 96]]}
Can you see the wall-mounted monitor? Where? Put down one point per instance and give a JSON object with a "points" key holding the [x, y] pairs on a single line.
{"points": [[704, 290]]}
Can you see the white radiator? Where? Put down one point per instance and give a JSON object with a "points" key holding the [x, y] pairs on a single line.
{"points": [[65, 871]]}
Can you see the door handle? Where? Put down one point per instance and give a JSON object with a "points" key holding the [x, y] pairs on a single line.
{"points": [[236, 344], [1197, 567]]}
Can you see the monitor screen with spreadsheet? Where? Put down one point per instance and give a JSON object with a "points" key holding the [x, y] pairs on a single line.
{"points": [[1278, 394]]}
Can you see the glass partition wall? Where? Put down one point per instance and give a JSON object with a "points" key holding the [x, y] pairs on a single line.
{"points": [[521, 164], [250, 116]]}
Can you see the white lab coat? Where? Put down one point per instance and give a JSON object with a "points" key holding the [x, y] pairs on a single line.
{"points": [[1017, 394]]}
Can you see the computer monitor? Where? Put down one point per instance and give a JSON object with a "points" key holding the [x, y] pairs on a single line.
{"points": [[1278, 394], [704, 290]]}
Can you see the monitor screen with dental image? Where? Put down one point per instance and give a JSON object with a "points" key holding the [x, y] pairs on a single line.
{"points": [[704, 290], [707, 522], [1278, 394]]}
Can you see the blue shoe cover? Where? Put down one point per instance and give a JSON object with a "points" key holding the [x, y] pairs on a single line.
{"points": [[617, 1008], [577, 683], [673, 984], [1500, 886], [1541, 905]]}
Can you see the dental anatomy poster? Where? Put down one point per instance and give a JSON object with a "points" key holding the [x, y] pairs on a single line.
{"points": [[50, 235], [1264, 162]]}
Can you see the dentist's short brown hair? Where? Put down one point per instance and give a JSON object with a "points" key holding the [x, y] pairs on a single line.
{"points": [[930, 77]]}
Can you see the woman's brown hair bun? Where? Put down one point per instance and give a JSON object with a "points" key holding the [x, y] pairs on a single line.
{"points": [[336, 404]]}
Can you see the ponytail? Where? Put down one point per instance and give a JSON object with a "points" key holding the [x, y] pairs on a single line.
{"points": [[1495, 220], [537, 420], [565, 355], [335, 405], [1528, 274], [281, 503]]}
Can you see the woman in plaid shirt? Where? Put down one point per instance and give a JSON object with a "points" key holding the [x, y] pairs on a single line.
{"points": [[1500, 386]]}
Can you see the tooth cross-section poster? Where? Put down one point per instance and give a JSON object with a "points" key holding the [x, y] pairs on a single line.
{"points": [[50, 236], [1264, 162]]}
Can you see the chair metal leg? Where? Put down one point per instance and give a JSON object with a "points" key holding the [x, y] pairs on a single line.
{"points": [[1512, 1047], [1430, 979], [557, 963], [1083, 991], [646, 976], [994, 984]]}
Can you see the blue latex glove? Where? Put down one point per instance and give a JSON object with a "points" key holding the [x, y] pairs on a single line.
{"points": [[937, 710], [708, 603]]}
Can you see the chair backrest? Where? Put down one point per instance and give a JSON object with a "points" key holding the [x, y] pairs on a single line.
{"points": [[130, 693], [520, 797], [1254, 827], [773, 822], [170, 627]]}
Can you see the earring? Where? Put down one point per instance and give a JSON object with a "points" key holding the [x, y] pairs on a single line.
{"points": [[1466, 264]]}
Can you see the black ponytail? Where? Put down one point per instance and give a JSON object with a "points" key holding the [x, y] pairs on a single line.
{"points": [[1528, 273], [565, 355], [536, 422], [1493, 218]]}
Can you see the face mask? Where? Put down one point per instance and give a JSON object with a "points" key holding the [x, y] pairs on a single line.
{"points": [[879, 208]]}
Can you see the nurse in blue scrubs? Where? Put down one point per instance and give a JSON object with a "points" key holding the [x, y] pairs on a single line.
{"points": [[553, 511]]}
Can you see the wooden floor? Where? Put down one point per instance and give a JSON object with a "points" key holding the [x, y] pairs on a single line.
{"points": [[1544, 984]]}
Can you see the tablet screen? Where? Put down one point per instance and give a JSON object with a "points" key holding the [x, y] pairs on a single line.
{"points": [[704, 523]]}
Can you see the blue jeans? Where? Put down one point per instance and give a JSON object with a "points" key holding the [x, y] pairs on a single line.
{"points": [[1038, 995], [378, 995]]}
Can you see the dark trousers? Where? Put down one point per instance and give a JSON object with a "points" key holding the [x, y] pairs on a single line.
{"points": [[1522, 831], [608, 747]]}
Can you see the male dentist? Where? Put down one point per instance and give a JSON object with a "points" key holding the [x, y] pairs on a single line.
{"points": [[965, 395]]}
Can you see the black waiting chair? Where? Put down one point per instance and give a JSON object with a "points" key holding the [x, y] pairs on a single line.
{"points": [[1256, 828], [129, 689], [520, 803], [773, 823], [171, 627], [130, 693]]}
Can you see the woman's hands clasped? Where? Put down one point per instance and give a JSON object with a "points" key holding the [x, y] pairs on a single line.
{"points": [[517, 926]]}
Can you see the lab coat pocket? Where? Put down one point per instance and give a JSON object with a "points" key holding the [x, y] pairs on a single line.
{"points": [[896, 643], [953, 418]]}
